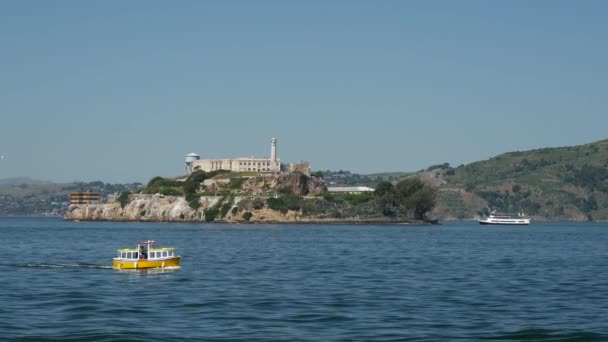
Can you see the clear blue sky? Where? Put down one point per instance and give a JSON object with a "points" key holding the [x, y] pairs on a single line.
{"points": [[120, 91]]}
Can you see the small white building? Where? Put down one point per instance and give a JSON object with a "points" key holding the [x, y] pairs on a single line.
{"points": [[349, 189]]}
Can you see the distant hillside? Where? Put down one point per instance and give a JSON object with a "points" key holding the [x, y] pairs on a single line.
{"points": [[564, 183], [24, 196], [7, 182]]}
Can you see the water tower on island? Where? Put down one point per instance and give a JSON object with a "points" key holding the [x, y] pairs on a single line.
{"points": [[189, 159]]}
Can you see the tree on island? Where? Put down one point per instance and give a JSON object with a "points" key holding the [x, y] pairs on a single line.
{"points": [[409, 196]]}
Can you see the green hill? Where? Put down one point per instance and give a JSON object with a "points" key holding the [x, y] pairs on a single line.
{"points": [[564, 183]]}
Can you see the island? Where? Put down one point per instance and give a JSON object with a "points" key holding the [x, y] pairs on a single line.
{"points": [[252, 197]]}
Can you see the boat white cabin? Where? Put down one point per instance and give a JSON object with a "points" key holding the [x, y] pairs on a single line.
{"points": [[520, 219], [146, 255]]}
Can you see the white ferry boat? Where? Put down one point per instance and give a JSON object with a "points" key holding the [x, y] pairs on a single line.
{"points": [[520, 219]]}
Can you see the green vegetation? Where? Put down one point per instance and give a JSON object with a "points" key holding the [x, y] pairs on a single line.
{"points": [[247, 216], [443, 166], [123, 199], [212, 213], [553, 183], [187, 188], [194, 203], [170, 191], [588, 176], [454, 204], [236, 183], [410, 197], [226, 207], [163, 186], [285, 203], [353, 199], [511, 202], [383, 188]]}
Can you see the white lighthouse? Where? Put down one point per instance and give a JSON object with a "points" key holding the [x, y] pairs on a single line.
{"points": [[273, 150]]}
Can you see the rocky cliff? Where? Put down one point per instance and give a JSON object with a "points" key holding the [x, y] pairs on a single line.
{"points": [[160, 208], [297, 184], [141, 207]]}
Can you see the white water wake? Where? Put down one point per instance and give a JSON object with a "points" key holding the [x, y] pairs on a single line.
{"points": [[47, 265]]}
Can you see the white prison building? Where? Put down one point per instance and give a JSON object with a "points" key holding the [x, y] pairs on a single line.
{"points": [[253, 164]]}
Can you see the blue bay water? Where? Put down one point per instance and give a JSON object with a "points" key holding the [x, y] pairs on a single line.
{"points": [[457, 281]]}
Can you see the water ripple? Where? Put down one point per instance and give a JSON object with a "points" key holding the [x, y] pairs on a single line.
{"points": [[456, 282]]}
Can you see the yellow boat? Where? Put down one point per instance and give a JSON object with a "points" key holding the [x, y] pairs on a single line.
{"points": [[145, 255]]}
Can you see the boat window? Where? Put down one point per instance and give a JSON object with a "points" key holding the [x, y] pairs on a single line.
{"points": [[128, 255], [134, 255], [170, 253], [153, 254], [164, 254]]}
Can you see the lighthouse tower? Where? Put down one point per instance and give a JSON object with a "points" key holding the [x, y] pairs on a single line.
{"points": [[273, 150]]}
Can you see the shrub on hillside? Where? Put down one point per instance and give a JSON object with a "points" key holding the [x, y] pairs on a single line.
{"points": [[212, 212], [167, 191], [247, 216], [356, 199], [236, 183], [123, 199], [226, 207], [285, 203], [194, 204]]}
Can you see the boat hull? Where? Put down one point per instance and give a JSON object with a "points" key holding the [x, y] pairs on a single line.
{"points": [[515, 223], [145, 264]]}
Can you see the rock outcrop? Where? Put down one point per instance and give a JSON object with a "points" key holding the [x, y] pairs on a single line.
{"points": [[159, 208], [295, 183], [141, 207]]}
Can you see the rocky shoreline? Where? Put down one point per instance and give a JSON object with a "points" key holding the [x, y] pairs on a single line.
{"points": [[160, 208]]}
